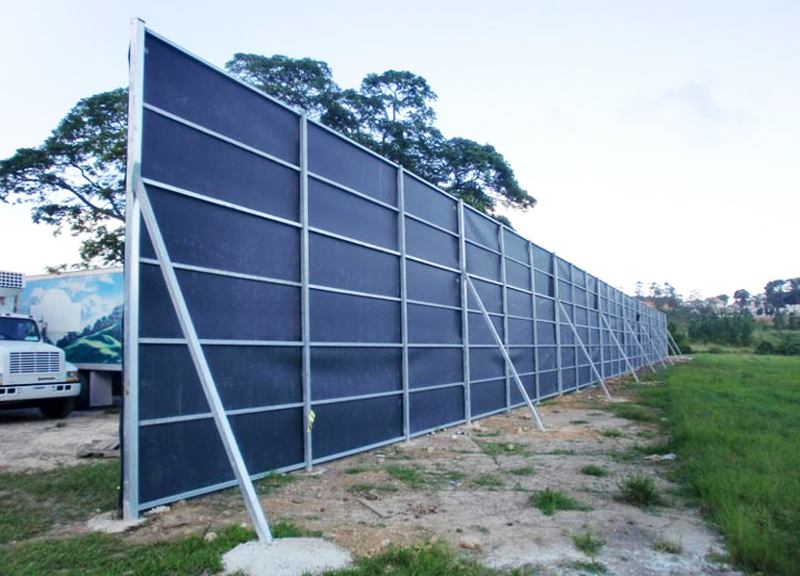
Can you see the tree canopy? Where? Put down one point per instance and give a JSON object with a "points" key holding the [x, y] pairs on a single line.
{"points": [[75, 179], [392, 113]]}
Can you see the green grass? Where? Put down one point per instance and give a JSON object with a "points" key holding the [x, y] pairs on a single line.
{"points": [[488, 481], [640, 490], [587, 567], [588, 543], [667, 547], [429, 560], [524, 471], [551, 501], [363, 489], [32, 502], [595, 470], [104, 554], [288, 528], [633, 412], [417, 478], [355, 470], [736, 431], [273, 482], [495, 449], [577, 422], [611, 433]]}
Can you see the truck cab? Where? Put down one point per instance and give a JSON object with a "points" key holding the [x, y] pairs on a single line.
{"points": [[32, 372]]}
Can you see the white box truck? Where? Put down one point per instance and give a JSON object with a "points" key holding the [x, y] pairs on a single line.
{"points": [[32, 372]]}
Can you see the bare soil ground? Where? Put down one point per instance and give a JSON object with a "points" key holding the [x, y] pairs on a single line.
{"points": [[31, 441], [466, 486]]}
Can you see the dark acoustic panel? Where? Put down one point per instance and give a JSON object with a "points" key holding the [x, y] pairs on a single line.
{"points": [[434, 366], [343, 372], [335, 210], [430, 244], [429, 204], [542, 259], [488, 396], [578, 277], [334, 158], [177, 155], [529, 383], [346, 318], [429, 325], [491, 295], [519, 303], [197, 460], [434, 408], [479, 332], [544, 284], [516, 246], [483, 263], [568, 378], [434, 285], [523, 359], [275, 308], [351, 425], [481, 229], [545, 309], [518, 275], [548, 383], [160, 320], [340, 264], [520, 331], [547, 358], [563, 269], [200, 234], [567, 357], [183, 86], [564, 291], [486, 363]]}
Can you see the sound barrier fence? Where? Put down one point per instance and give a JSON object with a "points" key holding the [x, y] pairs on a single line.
{"points": [[312, 296]]}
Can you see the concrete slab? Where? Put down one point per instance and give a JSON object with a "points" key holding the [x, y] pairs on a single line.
{"points": [[110, 524], [285, 557]]}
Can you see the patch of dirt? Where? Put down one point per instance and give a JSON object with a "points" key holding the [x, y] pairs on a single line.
{"points": [[475, 481], [32, 442]]}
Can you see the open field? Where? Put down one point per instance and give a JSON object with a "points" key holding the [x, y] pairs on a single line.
{"points": [[496, 497], [736, 422]]}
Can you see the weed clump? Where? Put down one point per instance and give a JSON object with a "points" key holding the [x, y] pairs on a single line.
{"points": [[595, 470], [668, 547], [550, 501], [588, 543], [639, 490], [488, 481]]}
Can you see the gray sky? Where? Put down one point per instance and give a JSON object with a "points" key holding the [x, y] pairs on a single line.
{"points": [[661, 139]]}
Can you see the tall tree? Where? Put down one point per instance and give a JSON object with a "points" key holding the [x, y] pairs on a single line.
{"points": [[392, 114], [305, 84], [742, 299], [75, 179], [773, 293]]}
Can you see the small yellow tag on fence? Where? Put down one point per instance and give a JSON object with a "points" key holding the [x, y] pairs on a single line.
{"points": [[311, 418]]}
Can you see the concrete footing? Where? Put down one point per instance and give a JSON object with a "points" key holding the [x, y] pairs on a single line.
{"points": [[285, 557]]}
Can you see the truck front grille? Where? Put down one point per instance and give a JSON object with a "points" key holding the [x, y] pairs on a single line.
{"points": [[35, 362]]}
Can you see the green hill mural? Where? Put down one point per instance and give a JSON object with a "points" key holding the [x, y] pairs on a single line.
{"points": [[97, 344]]}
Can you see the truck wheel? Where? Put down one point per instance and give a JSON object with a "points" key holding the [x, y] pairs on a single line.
{"points": [[57, 408]]}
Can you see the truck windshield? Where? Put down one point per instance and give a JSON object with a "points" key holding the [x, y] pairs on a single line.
{"points": [[18, 329]]}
